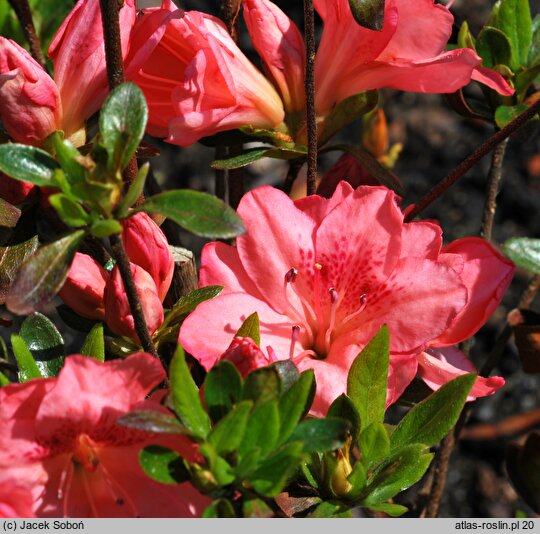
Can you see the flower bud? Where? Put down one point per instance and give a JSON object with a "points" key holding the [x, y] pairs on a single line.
{"points": [[117, 310], [84, 287], [30, 108], [375, 134], [245, 355], [147, 247]]}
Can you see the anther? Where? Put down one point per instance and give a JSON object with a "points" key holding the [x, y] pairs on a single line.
{"points": [[290, 275], [294, 339]]}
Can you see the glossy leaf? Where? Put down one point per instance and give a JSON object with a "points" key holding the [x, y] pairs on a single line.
{"points": [[9, 214], [263, 429], [134, 192], [388, 508], [185, 396], [69, 211], [366, 383], [151, 421], [374, 443], [506, 114], [250, 328], [163, 465], [11, 259], [430, 420], [94, 344], [70, 158], [533, 58], [221, 470], [199, 213], [222, 389], [494, 47], [105, 228], [262, 385], [251, 155], [288, 372], [42, 275], [227, 435], [525, 252], [368, 13], [122, 122], [189, 302], [44, 342], [320, 435], [28, 368], [344, 408], [28, 164]]}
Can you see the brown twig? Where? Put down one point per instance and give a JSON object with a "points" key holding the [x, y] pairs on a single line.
{"points": [[440, 471], [24, 14], [122, 260], [311, 117], [469, 162], [494, 182], [512, 425]]}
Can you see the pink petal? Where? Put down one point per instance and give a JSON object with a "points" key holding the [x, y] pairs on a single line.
{"points": [[210, 316], [486, 274], [15, 499], [274, 243], [436, 367], [421, 239], [493, 80], [318, 207], [401, 371], [103, 392]]}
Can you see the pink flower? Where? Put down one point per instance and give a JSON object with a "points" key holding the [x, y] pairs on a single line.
{"points": [[30, 107], [325, 275], [84, 287], [15, 499], [60, 437], [147, 246], [281, 47], [246, 355], [197, 82], [408, 54], [117, 310]]}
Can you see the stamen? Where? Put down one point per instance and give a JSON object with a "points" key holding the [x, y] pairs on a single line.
{"points": [[66, 479], [291, 275], [294, 339], [120, 495], [305, 354], [288, 282], [334, 297], [317, 293], [363, 302], [89, 495]]}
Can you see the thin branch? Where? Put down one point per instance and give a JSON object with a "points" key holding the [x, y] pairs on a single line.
{"points": [[122, 260], [494, 183], [440, 472], [311, 117], [24, 14], [469, 162]]}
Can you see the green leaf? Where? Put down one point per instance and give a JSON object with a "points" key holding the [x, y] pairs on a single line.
{"points": [[262, 431], [388, 508], [75, 321], [189, 302], [262, 385], [219, 508], [221, 470], [227, 435], [163, 465], [185, 396], [358, 480], [134, 192], [374, 443], [28, 368], [343, 407], [494, 47], [122, 122], [222, 389], [44, 342], [288, 372], [250, 328], [72, 213], [525, 252], [368, 13], [105, 228], [251, 155], [366, 383], [42, 275], [400, 471], [4, 380], [295, 403], [465, 38], [197, 212], [94, 344], [257, 508], [506, 114], [11, 259], [9, 214], [513, 17], [533, 58], [330, 510], [150, 421], [70, 158], [320, 435], [430, 420], [272, 475], [345, 112], [28, 164]]}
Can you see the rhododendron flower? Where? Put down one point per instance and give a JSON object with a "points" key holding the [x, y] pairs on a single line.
{"points": [[197, 82], [15, 499], [246, 356], [30, 107], [408, 54], [60, 437], [281, 47], [325, 275]]}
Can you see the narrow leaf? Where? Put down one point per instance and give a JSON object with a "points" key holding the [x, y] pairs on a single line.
{"points": [[219, 508], [105, 228], [506, 114], [343, 407], [134, 192], [227, 435], [494, 47], [430, 420], [388, 508], [27, 163], [525, 252], [250, 328], [185, 396], [222, 389], [197, 212], [94, 344], [321, 435], [11, 259], [374, 443], [28, 368], [254, 154], [69, 211], [366, 383], [150, 421], [42, 275], [163, 465], [262, 385], [262, 431], [9, 214], [189, 302]]}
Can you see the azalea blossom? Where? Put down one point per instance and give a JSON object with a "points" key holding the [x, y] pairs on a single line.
{"points": [[408, 54], [197, 82], [15, 499], [60, 438], [325, 274]]}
